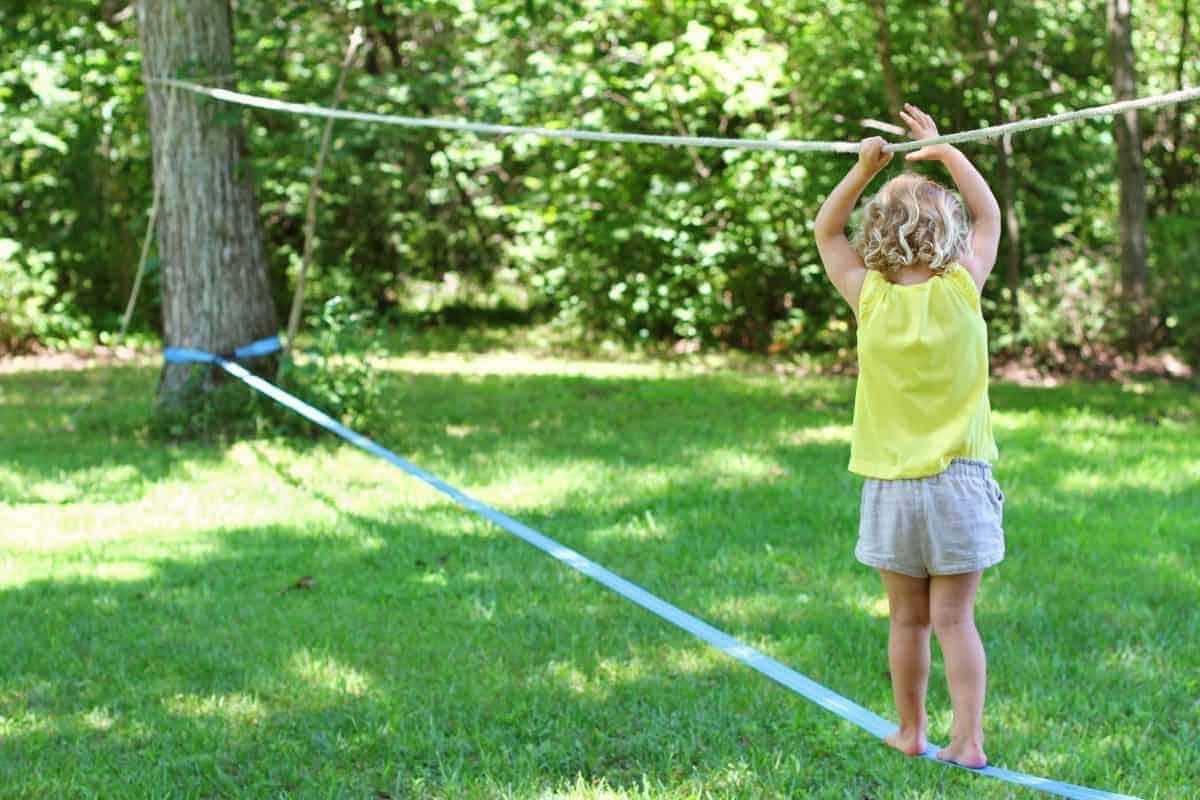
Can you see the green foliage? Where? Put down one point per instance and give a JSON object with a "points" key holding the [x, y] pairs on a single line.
{"points": [[1175, 256], [1069, 308], [30, 310], [665, 247], [75, 180]]}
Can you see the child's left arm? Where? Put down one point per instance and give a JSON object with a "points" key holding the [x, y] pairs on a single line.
{"points": [[985, 211], [843, 265]]}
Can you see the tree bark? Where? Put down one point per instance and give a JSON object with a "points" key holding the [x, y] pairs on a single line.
{"points": [[216, 292], [1130, 169], [1008, 192], [883, 44], [1174, 177]]}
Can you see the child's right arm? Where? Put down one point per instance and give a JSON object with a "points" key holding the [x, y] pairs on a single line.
{"points": [[985, 211], [843, 265]]}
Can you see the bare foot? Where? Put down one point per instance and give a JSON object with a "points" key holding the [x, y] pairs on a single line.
{"points": [[968, 754], [910, 741]]}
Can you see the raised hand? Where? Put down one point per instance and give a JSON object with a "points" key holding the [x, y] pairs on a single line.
{"points": [[921, 126]]}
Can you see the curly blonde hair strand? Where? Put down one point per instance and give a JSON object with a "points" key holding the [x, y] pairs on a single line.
{"points": [[913, 221]]}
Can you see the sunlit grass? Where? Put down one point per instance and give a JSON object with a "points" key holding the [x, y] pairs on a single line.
{"points": [[295, 618]]}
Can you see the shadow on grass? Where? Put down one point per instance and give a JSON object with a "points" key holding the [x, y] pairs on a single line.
{"points": [[418, 659], [424, 656], [413, 655], [1159, 400], [56, 453], [83, 436], [475, 657], [467, 660]]}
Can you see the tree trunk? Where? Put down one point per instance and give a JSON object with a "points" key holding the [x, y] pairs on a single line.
{"points": [[1174, 178], [883, 44], [1008, 192], [1131, 171], [216, 293]]}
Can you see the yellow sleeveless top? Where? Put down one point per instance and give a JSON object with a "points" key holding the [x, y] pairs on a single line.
{"points": [[922, 396]]}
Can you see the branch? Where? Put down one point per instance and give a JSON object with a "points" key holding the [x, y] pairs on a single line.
{"points": [[356, 39]]}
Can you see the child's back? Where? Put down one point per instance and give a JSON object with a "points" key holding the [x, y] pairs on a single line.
{"points": [[922, 396]]}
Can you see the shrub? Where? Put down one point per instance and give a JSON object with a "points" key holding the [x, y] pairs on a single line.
{"points": [[1175, 282], [335, 372], [1068, 307], [31, 310]]}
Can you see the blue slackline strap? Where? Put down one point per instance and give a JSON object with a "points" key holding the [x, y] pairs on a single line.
{"points": [[184, 355], [810, 689]]}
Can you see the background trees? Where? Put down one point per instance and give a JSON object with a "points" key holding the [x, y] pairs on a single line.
{"points": [[634, 243], [1130, 169]]}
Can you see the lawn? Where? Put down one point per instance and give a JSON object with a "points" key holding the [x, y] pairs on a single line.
{"points": [[291, 617]]}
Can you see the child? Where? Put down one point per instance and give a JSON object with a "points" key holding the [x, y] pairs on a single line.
{"points": [[931, 512]]}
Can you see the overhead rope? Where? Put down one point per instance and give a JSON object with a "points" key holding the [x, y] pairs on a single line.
{"points": [[504, 130], [792, 145]]}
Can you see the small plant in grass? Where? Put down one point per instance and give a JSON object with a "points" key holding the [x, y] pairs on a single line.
{"points": [[334, 373]]}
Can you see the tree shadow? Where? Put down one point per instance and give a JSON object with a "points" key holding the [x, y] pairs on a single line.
{"points": [[83, 436], [421, 652], [326, 672], [54, 454], [1150, 402]]}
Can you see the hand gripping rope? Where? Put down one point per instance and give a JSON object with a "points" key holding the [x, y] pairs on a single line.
{"points": [[804, 686]]}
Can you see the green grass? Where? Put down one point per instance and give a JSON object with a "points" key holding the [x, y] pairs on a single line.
{"points": [[149, 648]]}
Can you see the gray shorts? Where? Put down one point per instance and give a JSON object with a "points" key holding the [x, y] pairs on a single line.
{"points": [[944, 524]]}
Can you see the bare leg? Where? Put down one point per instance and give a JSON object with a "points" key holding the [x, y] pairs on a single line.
{"points": [[952, 606], [908, 656]]}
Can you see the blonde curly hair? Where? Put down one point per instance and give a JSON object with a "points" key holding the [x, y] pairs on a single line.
{"points": [[913, 221]]}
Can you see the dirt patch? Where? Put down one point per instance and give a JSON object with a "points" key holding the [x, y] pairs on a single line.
{"points": [[1028, 369], [1023, 369], [72, 360]]}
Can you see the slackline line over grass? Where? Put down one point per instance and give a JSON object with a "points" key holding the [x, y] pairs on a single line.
{"points": [[801, 684]]}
